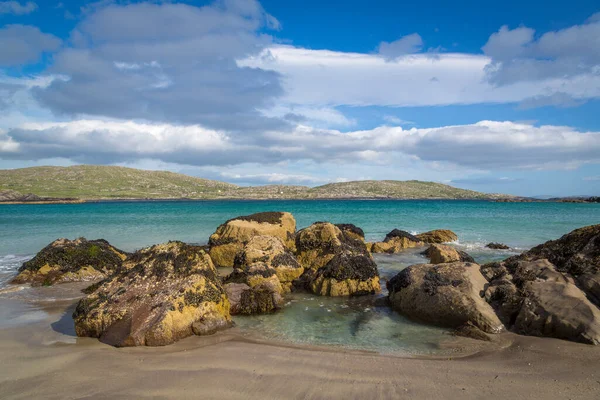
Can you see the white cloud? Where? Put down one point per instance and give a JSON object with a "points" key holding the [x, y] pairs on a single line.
{"points": [[322, 117], [481, 146], [359, 79], [396, 121], [518, 56], [16, 8], [23, 44], [408, 44], [273, 178]]}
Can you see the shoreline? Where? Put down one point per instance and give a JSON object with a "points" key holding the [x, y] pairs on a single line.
{"points": [[44, 359]]}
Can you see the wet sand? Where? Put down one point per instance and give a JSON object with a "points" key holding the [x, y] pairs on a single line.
{"points": [[44, 359]]}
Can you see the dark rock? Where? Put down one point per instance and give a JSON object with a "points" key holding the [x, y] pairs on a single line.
{"points": [[497, 246]]}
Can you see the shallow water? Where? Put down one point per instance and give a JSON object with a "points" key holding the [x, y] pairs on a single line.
{"points": [[356, 323]]}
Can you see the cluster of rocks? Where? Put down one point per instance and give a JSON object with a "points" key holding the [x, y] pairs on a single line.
{"points": [[163, 293]]}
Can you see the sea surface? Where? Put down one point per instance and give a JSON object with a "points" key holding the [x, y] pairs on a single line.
{"points": [[357, 323]]}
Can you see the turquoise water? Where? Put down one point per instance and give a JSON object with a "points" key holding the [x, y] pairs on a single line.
{"points": [[357, 323]]}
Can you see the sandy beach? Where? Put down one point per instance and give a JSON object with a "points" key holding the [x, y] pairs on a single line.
{"points": [[44, 359]]}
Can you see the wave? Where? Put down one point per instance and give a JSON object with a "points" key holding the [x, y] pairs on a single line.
{"points": [[12, 262]]}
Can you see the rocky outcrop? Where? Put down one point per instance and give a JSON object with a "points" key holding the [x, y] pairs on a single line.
{"points": [[230, 237], [67, 260], [336, 261], [245, 300], [439, 254], [447, 295], [497, 246], [551, 289], [270, 254], [438, 236], [348, 273], [162, 294], [395, 242], [352, 231]]}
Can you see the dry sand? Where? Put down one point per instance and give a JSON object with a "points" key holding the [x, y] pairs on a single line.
{"points": [[44, 360]]}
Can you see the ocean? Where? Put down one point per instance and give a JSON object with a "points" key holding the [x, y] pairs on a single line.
{"points": [[357, 323]]}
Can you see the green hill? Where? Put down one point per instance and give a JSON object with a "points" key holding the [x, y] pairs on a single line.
{"points": [[90, 182]]}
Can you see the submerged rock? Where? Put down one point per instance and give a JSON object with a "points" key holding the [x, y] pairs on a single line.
{"points": [[246, 300], [551, 290], [396, 241], [438, 236], [336, 261], [162, 294], [439, 254], [230, 237], [67, 260], [447, 295], [497, 246]]}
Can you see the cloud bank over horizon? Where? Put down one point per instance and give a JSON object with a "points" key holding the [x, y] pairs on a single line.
{"points": [[216, 90]]}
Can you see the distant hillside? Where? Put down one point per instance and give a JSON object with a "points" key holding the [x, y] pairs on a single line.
{"points": [[89, 182]]}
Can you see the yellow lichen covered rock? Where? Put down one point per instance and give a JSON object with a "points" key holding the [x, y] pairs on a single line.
{"points": [[347, 274], [67, 260], [438, 236], [395, 242], [162, 294], [271, 251], [230, 237], [440, 253]]}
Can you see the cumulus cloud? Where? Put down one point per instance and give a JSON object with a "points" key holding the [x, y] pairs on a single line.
{"points": [[408, 44], [484, 145], [23, 44], [16, 8], [518, 56], [168, 62], [358, 79]]}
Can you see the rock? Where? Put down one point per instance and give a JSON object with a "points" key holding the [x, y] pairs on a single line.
{"points": [[270, 251], [336, 262], [497, 246], [551, 290], [347, 274], [67, 260], [444, 294], [439, 254], [352, 231], [472, 332], [245, 300], [230, 237], [396, 241], [162, 294], [438, 236], [317, 244]]}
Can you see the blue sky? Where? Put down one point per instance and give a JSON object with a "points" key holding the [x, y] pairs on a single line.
{"points": [[498, 98]]}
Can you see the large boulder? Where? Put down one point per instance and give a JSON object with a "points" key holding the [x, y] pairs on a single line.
{"points": [[270, 251], [336, 261], [246, 300], [438, 236], [352, 231], [447, 295], [230, 237], [67, 260], [348, 273], [440, 254], [395, 241], [551, 290], [162, 294]]}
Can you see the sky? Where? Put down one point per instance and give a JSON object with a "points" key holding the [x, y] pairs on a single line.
{"points": [[499, 98]]}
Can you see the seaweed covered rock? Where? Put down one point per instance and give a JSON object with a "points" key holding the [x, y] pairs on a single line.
{"points": [[497, 246], [317, 244], [440, 254], [230, 237], [245, 300], [352, 231], [396, 241], [67, 260], [438, 236], [348, 273], [271, 252], [447, 295], [551, 290], [162, 294]]}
